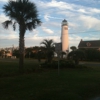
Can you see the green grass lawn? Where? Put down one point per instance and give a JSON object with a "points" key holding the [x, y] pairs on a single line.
{"points": [[46, 84]]}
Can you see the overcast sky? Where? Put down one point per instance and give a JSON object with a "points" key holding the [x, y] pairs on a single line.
{"points": [[83, 18]]}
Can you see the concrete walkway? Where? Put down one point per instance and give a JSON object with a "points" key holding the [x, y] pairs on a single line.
{"points": [[97, 98], [91, 64]]}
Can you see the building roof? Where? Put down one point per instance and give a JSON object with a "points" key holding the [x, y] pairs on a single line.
{"points": [[64, 20], [89, 44]]}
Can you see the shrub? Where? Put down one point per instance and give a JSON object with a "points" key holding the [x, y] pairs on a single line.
{"points": [[67, 64], [62, 64]]}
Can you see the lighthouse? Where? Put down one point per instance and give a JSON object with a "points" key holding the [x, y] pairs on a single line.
{"points": [[64, 36]]}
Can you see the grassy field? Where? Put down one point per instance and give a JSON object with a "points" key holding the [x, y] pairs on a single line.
{"points": [[46, 84]]}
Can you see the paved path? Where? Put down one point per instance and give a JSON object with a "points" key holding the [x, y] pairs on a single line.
{"points": [[97, 98], [91, 64]]}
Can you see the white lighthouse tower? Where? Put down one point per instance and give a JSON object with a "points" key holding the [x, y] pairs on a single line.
{"points": [[64, 36]]}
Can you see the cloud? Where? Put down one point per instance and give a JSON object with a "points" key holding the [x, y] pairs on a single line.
{"points": [[72, 25], [6, 33], [31, 33], [36, 40], [60, 5], [52, 24], [3, 18], [55, 24], [81, 10], [46, 30], [3, 0], [94, 10], [90, 22], [46, 17]]}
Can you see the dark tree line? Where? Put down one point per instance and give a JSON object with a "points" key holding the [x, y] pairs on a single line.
{"points": [[85, 54]]}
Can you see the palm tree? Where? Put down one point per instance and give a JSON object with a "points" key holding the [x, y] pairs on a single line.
{"points": [[49, 48], [25, 14]]}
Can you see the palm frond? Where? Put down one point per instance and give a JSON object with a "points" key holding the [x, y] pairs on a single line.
{"points": [[6, 24], [22, 11], [14, 26], [49, 44], [43, 42], [33, 24], [38, 22], [30, 26]]}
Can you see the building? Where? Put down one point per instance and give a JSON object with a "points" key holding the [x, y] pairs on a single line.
{"points": [[64, 36], [64, 44], [90, 44]]}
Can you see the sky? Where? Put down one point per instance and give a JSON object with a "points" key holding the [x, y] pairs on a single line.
{"points": [[83, 18]]}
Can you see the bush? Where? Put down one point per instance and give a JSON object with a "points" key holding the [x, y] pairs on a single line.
{"points": [[67, 64], [62, 64]]}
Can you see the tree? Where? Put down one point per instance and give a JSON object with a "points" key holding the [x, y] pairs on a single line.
{"points": [[92, 54], [16, 53], [2, 53], [73, 48], [28, 52], [63, 53], [25, 14], [49, 48], [76, 55]]}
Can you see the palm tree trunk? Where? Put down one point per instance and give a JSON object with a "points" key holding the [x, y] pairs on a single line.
{"points": [[21, 47], [21, 53]]}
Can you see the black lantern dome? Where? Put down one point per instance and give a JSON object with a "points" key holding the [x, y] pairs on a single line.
{"points": [[64, 22]]}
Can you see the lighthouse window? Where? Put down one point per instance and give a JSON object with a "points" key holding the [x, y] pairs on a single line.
{"points": [[66, 28]]}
